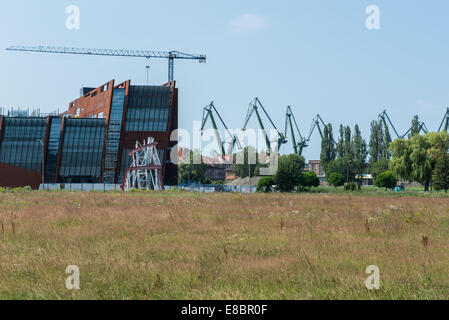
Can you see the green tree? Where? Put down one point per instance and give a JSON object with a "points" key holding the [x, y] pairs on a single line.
{"points": [[386, 154], [265, 184], [378, 167], [336, 166], [341, 143], [415, 128], [242, 170], [415, 159], [336, 179], [309, 179], [441, 173], [375, 143], [359, 151], [386, 180], [192, 172], [328, 152], [289, 172]]}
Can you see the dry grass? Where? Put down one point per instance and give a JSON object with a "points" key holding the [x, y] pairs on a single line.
{"points": [[222, 246]]}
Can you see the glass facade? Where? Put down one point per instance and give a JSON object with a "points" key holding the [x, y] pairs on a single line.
{"points": [[82, 150], [51, 158], [148, 108], [22, 142], [114, 133]]}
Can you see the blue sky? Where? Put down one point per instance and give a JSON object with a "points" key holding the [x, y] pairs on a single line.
{"points": [[316, 56]]}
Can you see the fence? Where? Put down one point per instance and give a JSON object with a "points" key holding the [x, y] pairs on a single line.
{"points": [[209, 188], [203, 188], [80, 187]]}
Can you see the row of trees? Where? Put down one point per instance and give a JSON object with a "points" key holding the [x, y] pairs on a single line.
{"points": [[346, 157], [351, 155], [420, 158]]}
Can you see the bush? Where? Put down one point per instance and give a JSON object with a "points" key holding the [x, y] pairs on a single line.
{"points": [[265, 184], [336, 179], [301, 188], [350, 186], [386, 180], [309, 179]]}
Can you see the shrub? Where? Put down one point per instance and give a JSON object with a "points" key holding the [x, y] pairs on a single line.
{"points": [[265, 184], [386, 180], [309, 179], [336, 179], [350, 186]]}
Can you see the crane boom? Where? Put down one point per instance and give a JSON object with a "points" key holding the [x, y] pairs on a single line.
{"points": [[170, 55], [316, 124], [254, 108], [208, 113], [384, 117]]}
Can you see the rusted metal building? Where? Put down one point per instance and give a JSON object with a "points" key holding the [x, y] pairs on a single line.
{"points": [[90, 142]]}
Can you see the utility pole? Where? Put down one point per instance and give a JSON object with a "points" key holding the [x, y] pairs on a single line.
{"points": [[249, 173], [148, 71]]}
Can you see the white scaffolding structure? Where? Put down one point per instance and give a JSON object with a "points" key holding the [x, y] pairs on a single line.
{"points": [[145, 172]]}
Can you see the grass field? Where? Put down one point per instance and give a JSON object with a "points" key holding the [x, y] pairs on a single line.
{"points": [[222, 246]]}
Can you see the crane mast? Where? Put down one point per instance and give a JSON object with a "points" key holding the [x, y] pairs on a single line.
{"points": [[290, 121], [445, 123], [171, 56]]}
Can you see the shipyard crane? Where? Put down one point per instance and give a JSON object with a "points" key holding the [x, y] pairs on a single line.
{"points": [[290, 122], [254, 109], [208, 113], [384, 118], [171, 56], [445, 123], [316, 122]]}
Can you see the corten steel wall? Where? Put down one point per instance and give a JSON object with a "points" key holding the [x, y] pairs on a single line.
{"points": [[12, 176], [93, 103]]}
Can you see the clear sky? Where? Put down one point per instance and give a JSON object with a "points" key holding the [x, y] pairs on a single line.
{"points": [[315, 55]]}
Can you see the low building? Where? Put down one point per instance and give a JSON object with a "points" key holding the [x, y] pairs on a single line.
{"points": [[315, 166]]}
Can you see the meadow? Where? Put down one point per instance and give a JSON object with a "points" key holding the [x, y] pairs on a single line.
{"points": [[179, 245]]}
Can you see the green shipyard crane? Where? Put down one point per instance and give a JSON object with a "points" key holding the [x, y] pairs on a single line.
{"points": [[385, 119], [316, 124], [290, 122], [208, 113], [254, 109], [445, 123]]}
